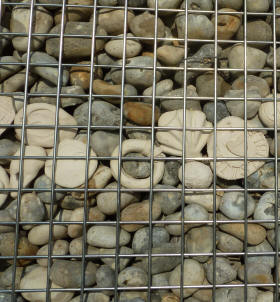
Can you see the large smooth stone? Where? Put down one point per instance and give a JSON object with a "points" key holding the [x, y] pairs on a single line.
{"points": [[71, 173], [39, 235]]}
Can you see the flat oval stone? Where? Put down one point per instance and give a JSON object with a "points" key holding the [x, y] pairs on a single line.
{"points": [[139, 212], [115, 47], [105, 236], [104, 142], [140, 242], [143, 26], [37, 279], [193, 275], [141, 113], [205, 85], [132, 276], [44, 182], [75, 47], [170, 55], [39, 235], [221, 110], [258, 5], [68, 274], [107, 201], [19, 23], [112, 20], [44, 114], [138, 169], [229, 244], [71, 173]]}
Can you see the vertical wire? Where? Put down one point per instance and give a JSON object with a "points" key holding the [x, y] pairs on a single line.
{"points": [[183, 155], [56, 134], [275, 154], [22, 149], [245, 158], [88, 149], [214, 151], [150, 241], [118, 214]]}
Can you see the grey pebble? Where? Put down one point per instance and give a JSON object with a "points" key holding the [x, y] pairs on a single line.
{"points": [[105, 277], [103, 114], [170, 176], [221, 109], [7, 297], [104, 142], [270, 59], [132, 276], [263, 177], [68, 274], [198, 4], [225, 273], [138, 77], [136, 168], [161, 280], [104, 59], [169, 201], [256, 272], [92, 297], [137, 133], [71, 203], [271, 237], [261, 248], [140, 242], [108, 2], [233, 204], [235, 294], [7, 148], [8, 70], [133, 3], [162, 88], [45, 87], [44, 182], [6, 217], [47, 73], [6, 277]]}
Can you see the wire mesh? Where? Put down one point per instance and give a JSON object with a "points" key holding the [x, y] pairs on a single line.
{"points": [[15, 231]]}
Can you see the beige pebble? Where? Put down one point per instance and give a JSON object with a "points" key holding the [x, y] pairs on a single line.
{"points": [[4, 184], [39, 235], [7, 111], [44, 114], [170, 55], [71, 173]]}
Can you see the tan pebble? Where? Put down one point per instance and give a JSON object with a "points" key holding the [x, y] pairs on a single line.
{"points": [[147, 54], [99, 180], [63, 215], [141, 113], [39, 235], [170, 55], [139, 212], [7, 111], [80, 75], [113, 20], [170, 298], [228, 25], [256, 233]]}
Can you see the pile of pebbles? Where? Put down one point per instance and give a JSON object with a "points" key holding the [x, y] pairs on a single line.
{"points": [[126, 109]]}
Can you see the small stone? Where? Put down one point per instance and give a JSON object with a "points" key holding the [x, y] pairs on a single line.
{"points": [[264, 247], [256, 233], [256, 273], [193, 274], [103, 114], [138, 77], [39, 235], [6, 278], [8, 70], [68, 274], [104, 142], [258, 6], [139, 212], [48, 73], [235, 4], [59, 248], [112, 20], [265, 297], [7, 148], [256, 58], [75, 47], [107, 201], [19, 23], [4, 184], [62, 215], [170, 55], [161, 280], [44, 114], [170, 176], [137, 169], [162, 88], [104, 59], [233, 204], [197, 175], [115, 47], [225, 272], [92, 297], [199, 240], [169, 297], [104, 88], [199, 26], [203, 294], [6, 217], [105, 236], [140, 242], [236, 294], [165, 4], [71, 203], [7, 112], [229, 244], [227, 25], [105, 277], [198, 4], [144, 134], [65, 169], [132, 276], [141, 113], [37, 279], [265, 210], [143, 26], [44, 182], [221, 111]]}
